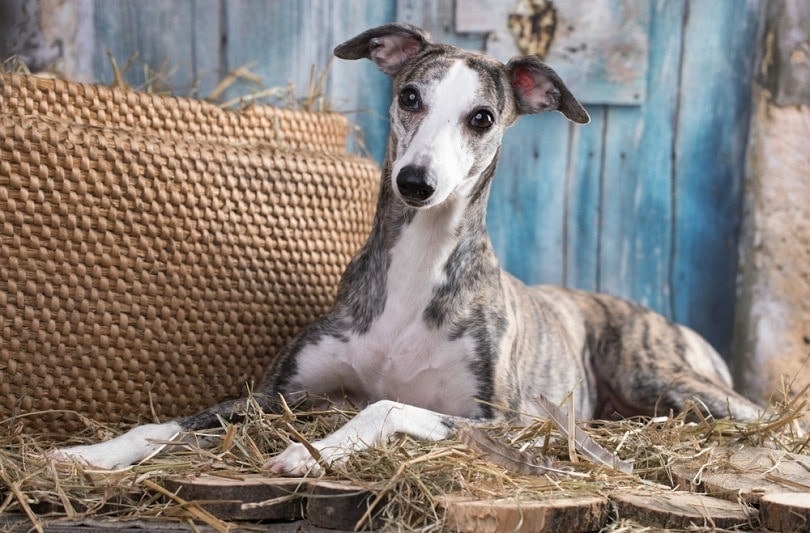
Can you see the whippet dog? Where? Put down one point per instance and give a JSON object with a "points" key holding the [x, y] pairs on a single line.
{"points": [[427, 330]]}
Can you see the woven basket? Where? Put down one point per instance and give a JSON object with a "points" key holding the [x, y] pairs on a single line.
{"points": [[156, 252]]}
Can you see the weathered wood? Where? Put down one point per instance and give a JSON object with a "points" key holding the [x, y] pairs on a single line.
{"points": [[237, 498], [747, 473], [785, 70], [786, 511], [583, 189], [580, 513], [598, 47], [637, 205], [160, 32], [719, 50], [284, 41], [337, 504], [680, 510], [527, 201]]}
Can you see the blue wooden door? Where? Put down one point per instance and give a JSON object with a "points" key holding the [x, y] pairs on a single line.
{"points": [[644, 202]]}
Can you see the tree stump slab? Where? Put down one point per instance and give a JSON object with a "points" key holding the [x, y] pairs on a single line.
{"points": [[681, 510], [248, 497], [748, 473], [580, 513], [338, 505], [786, 511]]}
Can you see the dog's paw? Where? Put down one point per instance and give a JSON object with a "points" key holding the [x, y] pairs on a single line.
{"points": [[95, 456], [295, 461]]}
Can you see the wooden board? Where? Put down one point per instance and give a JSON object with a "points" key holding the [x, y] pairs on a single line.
{"points": [[599, 47], [225, 498], [786, 511], [748, 473], [709, 152], [581, 513], [337, 504], [679, 510]]}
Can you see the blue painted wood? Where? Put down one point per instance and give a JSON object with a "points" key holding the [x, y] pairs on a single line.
{"points": [[207, 62], [619, 184], [720, 40], [583, 202], [637, 219], [158, 31], [285, 40], [527, 203], [599, 46]]}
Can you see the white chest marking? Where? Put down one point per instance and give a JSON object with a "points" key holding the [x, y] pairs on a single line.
{"points": [[400, 358]]}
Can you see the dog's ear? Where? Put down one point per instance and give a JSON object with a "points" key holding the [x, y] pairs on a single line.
{"points": [[390, 46], [538, 88]]}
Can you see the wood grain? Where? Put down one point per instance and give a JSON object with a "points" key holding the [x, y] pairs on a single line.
{"points": [[580, 513]]}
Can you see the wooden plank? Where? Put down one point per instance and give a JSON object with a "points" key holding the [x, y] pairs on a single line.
{"points": [[618, 212], [159, 31], [438, 18], [747, 473], [786, 511], [637, 223], [225, 498], [285, 40], [527, 202], [679, 510], [599, 47], [207, 45], [338, 505], [720, 46], [583, 201], [579, 513]]}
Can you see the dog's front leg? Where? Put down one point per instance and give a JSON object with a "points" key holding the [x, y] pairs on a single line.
{"points": [[372, 426], [133, 446]]}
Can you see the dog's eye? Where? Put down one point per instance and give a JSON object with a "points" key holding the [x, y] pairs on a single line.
{"points": [[482, 119], [409, 99]]}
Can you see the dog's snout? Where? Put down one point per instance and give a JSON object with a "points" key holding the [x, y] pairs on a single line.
{"points": [[414, 184]]}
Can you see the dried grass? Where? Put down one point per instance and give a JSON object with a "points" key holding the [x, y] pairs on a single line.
{"points": [[406, 476]]}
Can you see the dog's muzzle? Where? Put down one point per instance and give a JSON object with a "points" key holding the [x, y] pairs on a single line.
{"points": [[415, 185]]}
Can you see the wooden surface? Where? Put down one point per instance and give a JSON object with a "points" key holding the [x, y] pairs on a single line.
{"points": [[745, 473], [786, 511], [580, 513], [680, 510], [644, 202], [321, 503], [598, 47], [253, 497]]}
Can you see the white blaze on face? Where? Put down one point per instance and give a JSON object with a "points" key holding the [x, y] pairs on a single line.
{"points": [[441, 142]]}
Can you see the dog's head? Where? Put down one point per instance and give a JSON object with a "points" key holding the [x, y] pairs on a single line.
{"points": [[451, 108]]}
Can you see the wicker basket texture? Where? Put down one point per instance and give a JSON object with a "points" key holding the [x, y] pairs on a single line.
{"points": [[156, 252]]}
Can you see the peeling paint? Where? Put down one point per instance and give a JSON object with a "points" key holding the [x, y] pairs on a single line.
{"points": [[533, 24]]}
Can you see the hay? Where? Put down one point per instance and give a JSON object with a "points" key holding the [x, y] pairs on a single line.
{"points": [[406, 476]]}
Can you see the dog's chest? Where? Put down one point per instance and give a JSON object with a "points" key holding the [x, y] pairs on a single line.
{"points": [[403, 358]]}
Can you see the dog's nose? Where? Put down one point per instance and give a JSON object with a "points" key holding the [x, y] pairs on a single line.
{"points": [[414, 184]]}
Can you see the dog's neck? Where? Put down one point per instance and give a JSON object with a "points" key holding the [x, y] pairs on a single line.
{"points": [[448, 243]]}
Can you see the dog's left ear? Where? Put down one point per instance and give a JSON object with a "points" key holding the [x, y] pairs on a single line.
{"points": [[389, 46], [538, 88]]}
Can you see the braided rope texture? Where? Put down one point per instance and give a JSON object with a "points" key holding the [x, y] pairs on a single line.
{"points": [[157, 252]]}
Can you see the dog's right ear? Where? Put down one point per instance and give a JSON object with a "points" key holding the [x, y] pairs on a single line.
{"points": [[390, 46]]}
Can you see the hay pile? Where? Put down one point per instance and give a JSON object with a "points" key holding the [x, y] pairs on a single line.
{"points": [[405, 476]]}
